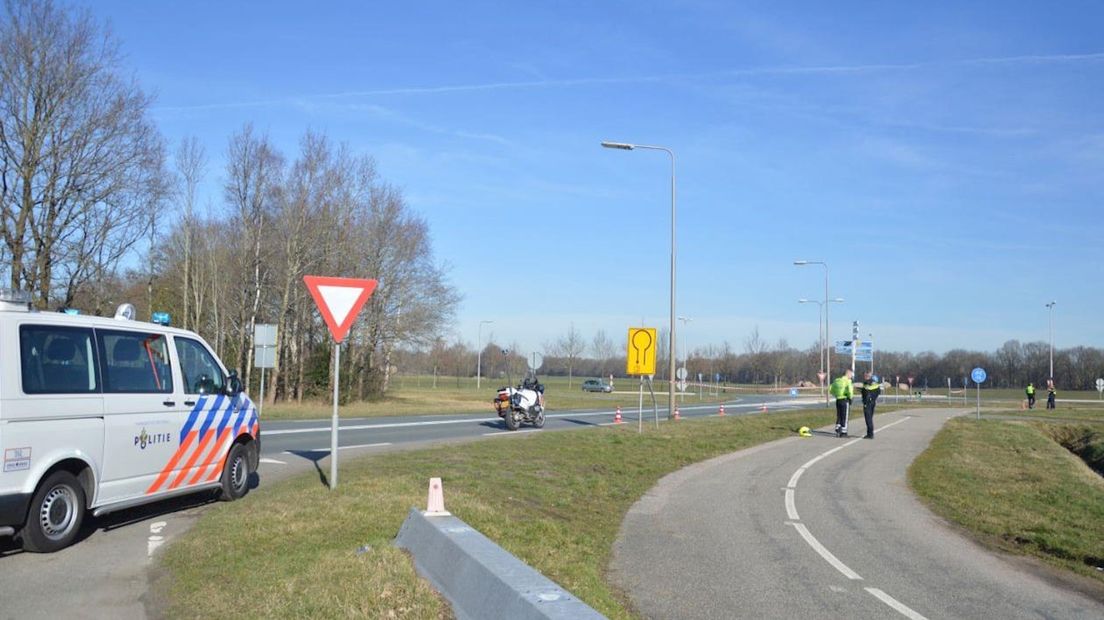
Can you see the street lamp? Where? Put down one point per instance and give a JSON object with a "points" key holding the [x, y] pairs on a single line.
{"points": [[820, 328], [671, 345], [827, 335], [479, 355], [1050, 306]]}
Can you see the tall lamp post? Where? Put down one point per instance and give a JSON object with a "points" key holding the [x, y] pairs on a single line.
{"points": [[827, 334], [671, 345], [1050, 306], [820, 327], [479, 355]]}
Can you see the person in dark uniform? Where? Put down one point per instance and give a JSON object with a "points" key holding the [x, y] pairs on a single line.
{"points": [[841, 390], [871, 389], [1030, 391], [1050, 396]]}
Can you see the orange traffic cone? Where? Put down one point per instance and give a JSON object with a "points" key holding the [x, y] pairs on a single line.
{"points": [[721, 412], [677, 413], [617, 416]]}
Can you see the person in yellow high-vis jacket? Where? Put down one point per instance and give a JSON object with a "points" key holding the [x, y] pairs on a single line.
{"points": [[1030, 391], [841, 390]]}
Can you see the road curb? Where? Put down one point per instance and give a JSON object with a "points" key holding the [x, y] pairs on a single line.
{"points": [[479, 578]]}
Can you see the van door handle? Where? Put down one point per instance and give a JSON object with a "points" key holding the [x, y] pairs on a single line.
{"points": [[169, 403], [189, 403]]}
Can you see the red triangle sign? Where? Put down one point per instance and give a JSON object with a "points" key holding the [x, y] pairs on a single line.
{"points": [[339, 300]]}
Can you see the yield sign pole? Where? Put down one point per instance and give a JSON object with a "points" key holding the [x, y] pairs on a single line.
{"points": [[339, 300]]}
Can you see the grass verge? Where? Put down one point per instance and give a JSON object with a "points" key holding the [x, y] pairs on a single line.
{"points": [[556, 500], [1017, 490]]}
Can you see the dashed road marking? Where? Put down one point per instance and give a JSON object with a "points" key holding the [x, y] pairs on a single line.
{"points": [[155, 540], [894, 603], [791, 513]]}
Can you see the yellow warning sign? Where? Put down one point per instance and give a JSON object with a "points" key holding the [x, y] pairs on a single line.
{"points": [[642, 351]]}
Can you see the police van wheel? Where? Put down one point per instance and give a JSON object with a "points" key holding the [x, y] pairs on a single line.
{"points": [[235, 474], [57, 510]]}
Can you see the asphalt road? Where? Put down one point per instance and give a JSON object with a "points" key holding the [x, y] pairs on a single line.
{"points": [[821, 528], [108, 572]]}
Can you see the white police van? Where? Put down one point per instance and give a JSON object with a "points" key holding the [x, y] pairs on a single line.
{"points": [[101, 414]]}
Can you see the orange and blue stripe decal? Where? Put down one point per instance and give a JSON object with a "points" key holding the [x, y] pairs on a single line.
{"points": [[204, 437], [246, 406], [216, 446], [201, 448], [186, 437]]}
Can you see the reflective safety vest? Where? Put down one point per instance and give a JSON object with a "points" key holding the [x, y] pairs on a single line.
{"points": [[1030, 390], [841, 388]]}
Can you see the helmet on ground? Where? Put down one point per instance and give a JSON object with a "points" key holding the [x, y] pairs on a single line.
{"points": [[804, 431]]}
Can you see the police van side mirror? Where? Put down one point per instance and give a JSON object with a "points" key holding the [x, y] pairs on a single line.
{"points": [[233, 384]]}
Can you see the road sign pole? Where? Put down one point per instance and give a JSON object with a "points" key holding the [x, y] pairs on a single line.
{"points": [[978, 401], [333, 424], [640, 408], [260, 407]]}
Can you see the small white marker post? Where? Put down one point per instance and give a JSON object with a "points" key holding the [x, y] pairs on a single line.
{"points": [[339, 300], [1099, 389]]}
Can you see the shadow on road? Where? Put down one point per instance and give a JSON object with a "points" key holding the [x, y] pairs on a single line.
{"points": [[314, 456], [123, 518]]}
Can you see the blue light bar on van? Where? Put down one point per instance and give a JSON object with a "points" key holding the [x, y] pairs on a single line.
{"points": [[161, 318], [71, 311]]}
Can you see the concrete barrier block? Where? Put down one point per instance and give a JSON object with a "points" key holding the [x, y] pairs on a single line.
{"points": [[480, 579]]}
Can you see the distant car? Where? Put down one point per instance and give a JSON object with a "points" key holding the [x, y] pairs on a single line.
{"points": [[596, 385]]}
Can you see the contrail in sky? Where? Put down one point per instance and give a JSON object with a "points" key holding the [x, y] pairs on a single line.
{"points": [[570, 82]]}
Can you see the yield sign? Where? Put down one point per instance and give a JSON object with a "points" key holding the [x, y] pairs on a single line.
{"points": [[339, 300]]}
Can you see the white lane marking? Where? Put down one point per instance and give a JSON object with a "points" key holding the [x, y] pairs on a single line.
{"points": [[825, 553], [508, 433], [791, 509], [794, 478], [791, 513], [327, 448], [361, 427], [154, 540], [894, 603], [272, 461]]}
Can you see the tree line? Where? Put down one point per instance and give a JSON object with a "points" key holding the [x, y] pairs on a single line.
{"points": [[1012, 365], [88, 185]]}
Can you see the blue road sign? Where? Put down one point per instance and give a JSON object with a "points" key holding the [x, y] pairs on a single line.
{"points": [[864, 357], [843, 347], [978, 375]]}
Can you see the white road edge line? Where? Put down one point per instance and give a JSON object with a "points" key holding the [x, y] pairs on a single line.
{"points": [[272, 461], [825, 553], [501, 433], [894, 603]]}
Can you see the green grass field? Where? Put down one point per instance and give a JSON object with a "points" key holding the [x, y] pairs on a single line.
{"points": [[556, 500], [1016, 489], [417, 396]]}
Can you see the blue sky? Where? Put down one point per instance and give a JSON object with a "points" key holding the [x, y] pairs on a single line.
{"points": [[945, 159]]}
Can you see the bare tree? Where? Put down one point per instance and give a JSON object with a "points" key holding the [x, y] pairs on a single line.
{"points": [[603, 350], [570, 346], [81, 165], [254, 170], [191, 159]]}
